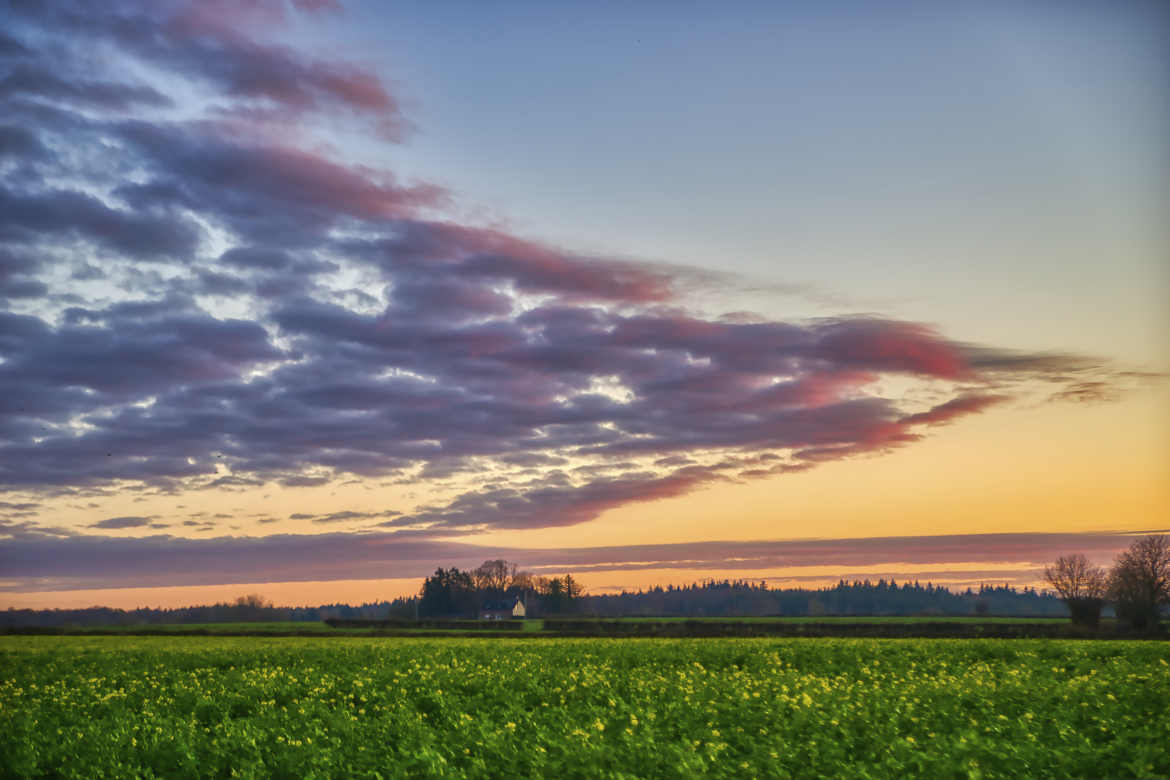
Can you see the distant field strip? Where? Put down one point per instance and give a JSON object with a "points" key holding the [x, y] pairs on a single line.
{"points": [[367, 707], [664, 627]]}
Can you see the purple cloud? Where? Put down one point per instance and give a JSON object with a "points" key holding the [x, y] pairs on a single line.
{"points": [[206, 303], [24, 80], [122, 522], [44, 561], [213, 42], [25, 217]]}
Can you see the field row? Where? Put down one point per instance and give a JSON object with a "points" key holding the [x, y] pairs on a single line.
{"points": [[846, 627], [190, 707]]}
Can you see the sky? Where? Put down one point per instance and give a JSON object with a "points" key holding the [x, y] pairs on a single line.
{"points": [[307, 298]]}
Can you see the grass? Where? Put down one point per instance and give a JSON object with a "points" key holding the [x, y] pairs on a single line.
{"points": [[909, 619], [540, 625], [397, 707], [841, 626]]}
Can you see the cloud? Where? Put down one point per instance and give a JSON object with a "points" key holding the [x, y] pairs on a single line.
{"points": [[346, 516], [47, 562], [556, 505], [214, 44], [371, 335], [1087, 392], [27, 529], [304, 481], [10, 47], [18, 506], [122, 522], [342, 516], [883, 345], [25, 217], [20, 143], [275, 195], [956, 407], [24, 80], [150, 353]]}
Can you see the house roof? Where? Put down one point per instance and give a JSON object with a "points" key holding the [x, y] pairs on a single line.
{"points": [[499, 606]]}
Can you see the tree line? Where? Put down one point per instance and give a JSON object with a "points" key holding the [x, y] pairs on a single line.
{"points": [[251, 608], [454, 593], [738, 598], [1137, 586]]}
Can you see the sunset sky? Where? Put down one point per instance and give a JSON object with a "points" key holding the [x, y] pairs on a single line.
{"points": [[306, 299]]}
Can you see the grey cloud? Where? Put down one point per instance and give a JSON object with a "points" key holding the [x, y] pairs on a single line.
{"points": [[209, 42], [11, 47], [88, 272], [345, 516], [40, 561], [56, 213], [42, 82], [122, 522], [275, 195], [299, 480], [18, 506], [23, 288], [556, 502], [21, 143]]}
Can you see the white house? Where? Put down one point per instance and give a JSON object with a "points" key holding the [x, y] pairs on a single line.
{"points": [[503, 610]]}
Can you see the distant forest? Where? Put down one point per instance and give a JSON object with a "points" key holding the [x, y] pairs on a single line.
{"points": [[725, 598], [728, 598]]}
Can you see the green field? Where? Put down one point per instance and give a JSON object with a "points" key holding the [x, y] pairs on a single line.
{"points": [[318, 627], [366, 707], [907, 619]]}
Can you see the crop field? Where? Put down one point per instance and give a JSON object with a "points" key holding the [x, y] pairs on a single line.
{"points": [[907, 619], [309, 626], [398, 707]]}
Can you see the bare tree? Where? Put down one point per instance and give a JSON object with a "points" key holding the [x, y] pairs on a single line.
{"points": [[1082, 586], [523, 581], [494, 575], [1074, 577], [1139, 582]]}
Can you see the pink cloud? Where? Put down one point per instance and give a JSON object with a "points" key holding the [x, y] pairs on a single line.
{"points": [[819, 389], [887, 345], [956, 407], [218, 40], [533, 268], [306, 176]]}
